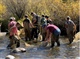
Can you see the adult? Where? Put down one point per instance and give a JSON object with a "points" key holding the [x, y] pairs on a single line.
{"points": [[43, 21], [13, 31], [35, 29], [27, 29], [70, 29], [48, 19], [52, 32]]}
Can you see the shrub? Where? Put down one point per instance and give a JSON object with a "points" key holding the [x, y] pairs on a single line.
{"points": [[4, 26]]}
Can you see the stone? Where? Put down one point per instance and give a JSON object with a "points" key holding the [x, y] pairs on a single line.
{"points": [[74, 46], [10, 57], [23, 49], [16, 50]]}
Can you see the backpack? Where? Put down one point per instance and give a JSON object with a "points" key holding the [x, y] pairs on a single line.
{"points": [[38, 19]]}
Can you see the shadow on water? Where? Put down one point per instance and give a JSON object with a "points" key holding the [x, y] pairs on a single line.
{"points": [[63, 52]]}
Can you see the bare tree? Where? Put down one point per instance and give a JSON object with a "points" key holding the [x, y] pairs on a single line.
{"points": [[16, 7]]}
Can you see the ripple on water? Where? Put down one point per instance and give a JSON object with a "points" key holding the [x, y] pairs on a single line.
{"points": [[63, 52]]}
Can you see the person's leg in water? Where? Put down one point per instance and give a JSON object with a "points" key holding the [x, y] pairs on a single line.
{"points": [[52, 41], [12, 42], [29, 34], [26, 35], [57, 40], [56, 35], [71, 37], [9, 45], [43, 36], [36, 33], [17, 43], [32, 33]]}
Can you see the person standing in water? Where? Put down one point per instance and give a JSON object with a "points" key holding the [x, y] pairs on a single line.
{"points": [[12, 27], [70, 29], [53, 33]]}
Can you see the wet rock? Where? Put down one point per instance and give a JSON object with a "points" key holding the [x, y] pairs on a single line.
{"points": [[16, 50], [74, 46], [10, 57], [23, 49]]}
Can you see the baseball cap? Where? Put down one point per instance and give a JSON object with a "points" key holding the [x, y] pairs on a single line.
{"points": [[12, 18]]}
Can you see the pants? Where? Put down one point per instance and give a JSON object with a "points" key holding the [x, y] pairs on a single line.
{"points": [[27, 34], [43, 34], [13, 41], [70, 35], [55, 38], [34, 33]]}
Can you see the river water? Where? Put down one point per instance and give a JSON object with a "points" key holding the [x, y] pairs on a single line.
{"points": [[39, 52]]}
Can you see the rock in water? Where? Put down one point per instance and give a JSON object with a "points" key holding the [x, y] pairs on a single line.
{"points": [[16, 50], [23, 49], [74, 46], [10, 57]]}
